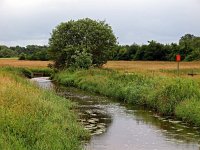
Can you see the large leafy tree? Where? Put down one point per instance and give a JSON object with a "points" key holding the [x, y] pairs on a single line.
{"points": [[82, 36]]}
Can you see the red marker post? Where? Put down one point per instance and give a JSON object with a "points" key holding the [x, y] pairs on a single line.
{"points": [[178, 59]]}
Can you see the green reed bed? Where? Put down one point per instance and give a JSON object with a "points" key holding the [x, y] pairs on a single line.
{"points": [[179, 97], [35, 119]]}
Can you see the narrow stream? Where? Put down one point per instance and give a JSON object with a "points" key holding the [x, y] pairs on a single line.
{"points": [[114, 126]]}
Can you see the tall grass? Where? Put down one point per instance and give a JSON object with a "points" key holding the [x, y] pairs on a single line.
{"points": [[166, 95], [31, 118]]}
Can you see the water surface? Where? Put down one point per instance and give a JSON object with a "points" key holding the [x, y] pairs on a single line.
{"points": [[114, 126]]}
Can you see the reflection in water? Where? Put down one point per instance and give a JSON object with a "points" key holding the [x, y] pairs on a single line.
{"points": [[118, 127], [43, 82], [91, 109]]}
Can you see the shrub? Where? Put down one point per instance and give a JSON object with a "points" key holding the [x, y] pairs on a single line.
{"points": [[22, 56]]}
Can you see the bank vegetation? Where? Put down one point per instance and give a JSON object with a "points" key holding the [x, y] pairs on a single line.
{"points": [[174, 96], [32, 118]]}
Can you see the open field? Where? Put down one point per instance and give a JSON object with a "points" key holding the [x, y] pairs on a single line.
{"points": [[24, 63], [164, 68], [154, 67], [131, 66]]}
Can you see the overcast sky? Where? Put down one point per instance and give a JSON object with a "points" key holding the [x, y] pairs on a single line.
{"points": [[24, 22]]}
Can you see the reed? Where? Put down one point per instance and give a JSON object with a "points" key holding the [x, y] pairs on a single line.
{"points": [[32, 118]]}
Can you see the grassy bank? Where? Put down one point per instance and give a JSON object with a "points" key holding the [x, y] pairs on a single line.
{"points": [[179, 97], [29, 72], [31, 118]]}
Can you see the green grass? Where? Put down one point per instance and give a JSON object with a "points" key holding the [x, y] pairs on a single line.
{"points": [[35, 119], [189, 111], [166, 95]]}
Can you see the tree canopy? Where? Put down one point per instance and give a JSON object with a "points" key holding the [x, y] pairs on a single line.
{"points": [[188, 47], [94, 39]]}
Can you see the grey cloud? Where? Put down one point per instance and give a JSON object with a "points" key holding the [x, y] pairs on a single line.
{"points": [[132, 20]]}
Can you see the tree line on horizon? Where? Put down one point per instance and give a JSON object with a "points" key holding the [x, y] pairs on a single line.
{"points": [[30, 52], [188, 47]]}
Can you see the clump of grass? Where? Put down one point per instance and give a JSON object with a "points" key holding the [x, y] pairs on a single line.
{"points": [[189, 111], [31, 118], [163, 94]]}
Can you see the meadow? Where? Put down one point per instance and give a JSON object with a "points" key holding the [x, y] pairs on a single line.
{"points": [[32, 118], [150, 67], [164, 68], [131, 66], [13, 62]]}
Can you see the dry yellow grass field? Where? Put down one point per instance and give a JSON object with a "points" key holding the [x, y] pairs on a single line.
{"points": [[24, 63], [130, 66], [163, 68], [160, 67]]}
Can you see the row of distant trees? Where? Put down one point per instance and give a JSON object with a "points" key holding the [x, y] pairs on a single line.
{"points": [[30, 52], [188, 47]]}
